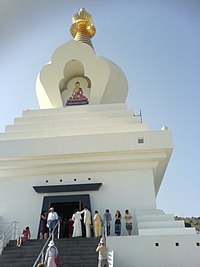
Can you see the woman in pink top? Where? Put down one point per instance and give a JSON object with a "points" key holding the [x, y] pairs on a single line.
{"points": [[26, 234]]}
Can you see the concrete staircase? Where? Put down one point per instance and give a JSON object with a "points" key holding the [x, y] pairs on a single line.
{"points": [[73, 252]]}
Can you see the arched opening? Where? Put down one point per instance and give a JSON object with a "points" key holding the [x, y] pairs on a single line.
{"points": [[74, 72]]}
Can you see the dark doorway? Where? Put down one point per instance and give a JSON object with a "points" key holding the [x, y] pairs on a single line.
{"points": [[65, 207], [65, 211]]}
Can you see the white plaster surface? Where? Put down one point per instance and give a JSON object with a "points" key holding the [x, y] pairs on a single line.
{"points": [[141, 251], [35, 149], [75, 60], [59, 145]]}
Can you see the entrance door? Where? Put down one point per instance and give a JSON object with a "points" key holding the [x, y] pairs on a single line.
{"points": [[65, 207], [65, 210]]}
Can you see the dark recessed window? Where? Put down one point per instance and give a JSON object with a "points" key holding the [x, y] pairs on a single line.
{"points": [[140, 140], [60, 180], [89, 179], [177, 244], [47, 181], [198, 244], [156, 244], [74, 179]]}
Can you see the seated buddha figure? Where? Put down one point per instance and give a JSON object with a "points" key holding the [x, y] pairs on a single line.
{"points": [[77, 98]]}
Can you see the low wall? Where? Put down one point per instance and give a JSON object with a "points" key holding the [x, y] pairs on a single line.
{"points": [[155, 251]]}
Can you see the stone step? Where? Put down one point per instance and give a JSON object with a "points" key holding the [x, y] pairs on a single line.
{"points": [[71, 258], [28, 264], [73, 252], [60, 265]]}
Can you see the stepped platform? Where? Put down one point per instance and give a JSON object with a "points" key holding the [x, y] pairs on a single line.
{"points": [[73, 252]]}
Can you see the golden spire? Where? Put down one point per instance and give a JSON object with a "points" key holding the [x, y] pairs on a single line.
{"points": [[82, 28]]}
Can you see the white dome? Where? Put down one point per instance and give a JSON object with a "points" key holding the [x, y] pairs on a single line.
{"points": [[102, 80]]}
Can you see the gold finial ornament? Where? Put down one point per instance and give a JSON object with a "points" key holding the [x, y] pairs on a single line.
{"points": [[82, 28]]}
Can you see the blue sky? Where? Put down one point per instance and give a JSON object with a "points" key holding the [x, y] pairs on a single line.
{"points": [[155, 42]]}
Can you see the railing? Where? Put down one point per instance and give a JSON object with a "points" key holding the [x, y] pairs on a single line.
{"points": [[8, 232], [111, 258], [40, 257]]}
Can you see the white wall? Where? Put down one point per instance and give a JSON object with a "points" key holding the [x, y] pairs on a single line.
{"points": [[19, 201], [140, 251], [109, 86], [34, 150]]}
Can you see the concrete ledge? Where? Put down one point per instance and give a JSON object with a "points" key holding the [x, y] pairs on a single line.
{"points": [[167, 231], [153, 218], [156, 250], [67, 188], [161, 224]]}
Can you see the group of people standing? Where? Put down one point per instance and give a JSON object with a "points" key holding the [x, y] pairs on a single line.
{"points": [[49, 221], [107, 218], [101, 224], [77, 227]]}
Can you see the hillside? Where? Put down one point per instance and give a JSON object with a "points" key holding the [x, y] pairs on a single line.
{"points": [[190, 222]]}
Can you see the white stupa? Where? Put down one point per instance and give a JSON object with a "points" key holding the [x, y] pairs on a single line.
{"points": [[85, 148]]}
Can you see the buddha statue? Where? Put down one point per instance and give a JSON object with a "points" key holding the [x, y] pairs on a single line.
{"points": [[77, 98]]}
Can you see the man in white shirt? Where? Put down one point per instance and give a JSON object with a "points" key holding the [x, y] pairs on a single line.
{"points": [[87, 221], [52, 219]]}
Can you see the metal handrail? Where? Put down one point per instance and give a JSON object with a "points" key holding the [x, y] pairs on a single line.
{"points": [[11, 227], [9, 233], [41, 254]]}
